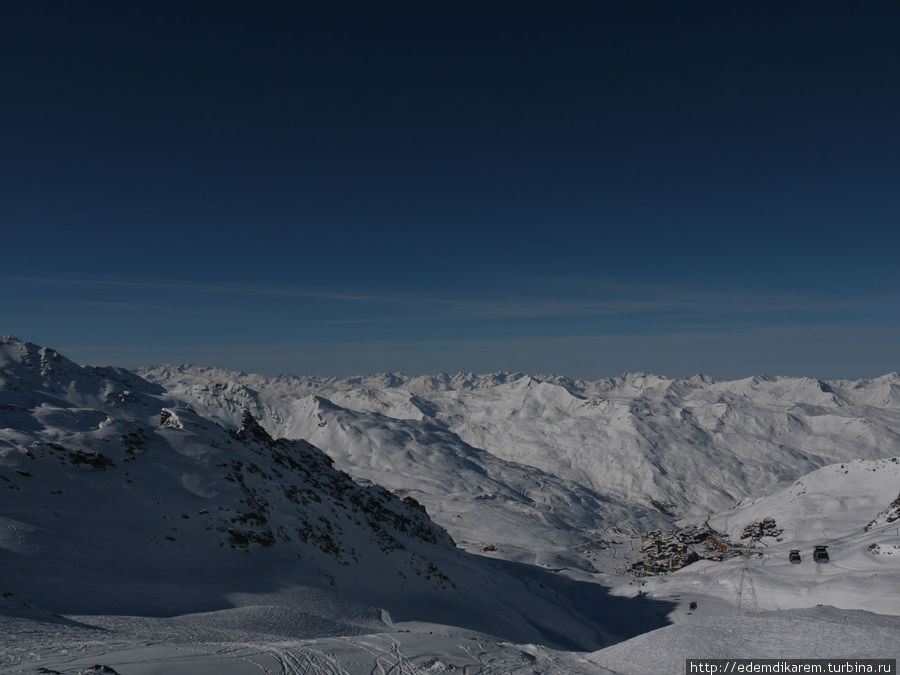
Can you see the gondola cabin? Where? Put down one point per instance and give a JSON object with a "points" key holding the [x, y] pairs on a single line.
{"points": [[820, 554], [794, 557]]}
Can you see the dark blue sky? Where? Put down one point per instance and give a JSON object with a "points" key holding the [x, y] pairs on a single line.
{"points": [[584, 188]]}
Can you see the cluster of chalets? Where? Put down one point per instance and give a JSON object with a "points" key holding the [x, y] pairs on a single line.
{"points": [[764, 528], [670, 550]]}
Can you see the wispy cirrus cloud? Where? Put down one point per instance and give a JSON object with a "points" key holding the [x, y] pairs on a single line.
{"points": [[167, 309], [381, 308], [192, 287]]}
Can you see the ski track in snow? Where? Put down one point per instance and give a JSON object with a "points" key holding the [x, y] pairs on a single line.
{"points": [[377, 654]]}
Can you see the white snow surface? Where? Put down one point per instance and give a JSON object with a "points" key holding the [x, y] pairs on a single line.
{"points": [[149, 524], [821, 633]]}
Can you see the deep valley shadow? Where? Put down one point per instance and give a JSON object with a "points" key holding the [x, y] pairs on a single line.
{"points": [[512, 601]]}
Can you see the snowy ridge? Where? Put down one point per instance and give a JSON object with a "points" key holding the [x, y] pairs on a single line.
{"points": [[30, 374], [883, 391], [182, 486]]}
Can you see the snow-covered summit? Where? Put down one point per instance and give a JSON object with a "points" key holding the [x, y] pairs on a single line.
{"points": [[41, 374]]}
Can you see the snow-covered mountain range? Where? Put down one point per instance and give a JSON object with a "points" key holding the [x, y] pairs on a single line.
{"points": [[452, 522], [119, 499], [564, 461]]}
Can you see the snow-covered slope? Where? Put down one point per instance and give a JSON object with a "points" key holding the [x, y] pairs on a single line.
{"points": [[834, 506], [106, 480], [116, 499], [821, 633], [845, 507], [485, 501], [759, 604], [833, 502], [257, 640], [690, 445]]}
